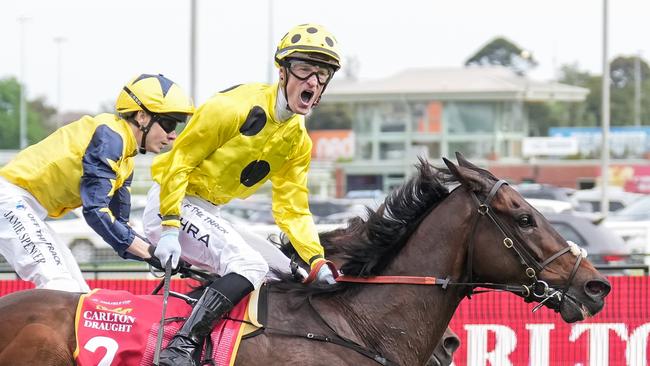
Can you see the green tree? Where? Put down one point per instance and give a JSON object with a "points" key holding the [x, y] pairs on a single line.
{"points": [[622, 73], [500, 51], [585, 113], [37, 115], [589, 113]]}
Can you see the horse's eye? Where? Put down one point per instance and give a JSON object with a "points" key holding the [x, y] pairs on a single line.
{"points": [[525, 221]]}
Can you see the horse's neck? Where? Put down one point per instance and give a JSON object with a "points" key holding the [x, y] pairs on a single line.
{"points": [[387, 317]]}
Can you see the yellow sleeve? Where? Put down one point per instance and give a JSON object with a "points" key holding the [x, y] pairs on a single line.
{"points": [[210, 127], [291, 205]]}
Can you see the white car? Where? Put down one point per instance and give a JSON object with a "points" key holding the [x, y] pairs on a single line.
{"points": [[550, 206], [632, 223], [618, 198]]}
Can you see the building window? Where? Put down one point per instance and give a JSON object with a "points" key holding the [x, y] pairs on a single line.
{"points": [[470, 117], [391, 150], [364, 150], [392, 117], [473, 149], [426, 149], [363, 124], [426, 118], [364, 182]]}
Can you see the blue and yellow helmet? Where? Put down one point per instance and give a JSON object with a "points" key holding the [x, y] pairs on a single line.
{"points": [[156, 93]]}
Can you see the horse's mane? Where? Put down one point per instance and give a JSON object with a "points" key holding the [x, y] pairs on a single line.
{"points": [[366, 247]]}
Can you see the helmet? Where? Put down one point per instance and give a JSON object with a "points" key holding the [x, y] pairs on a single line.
{"points": [[154, 94], [309, 42]]}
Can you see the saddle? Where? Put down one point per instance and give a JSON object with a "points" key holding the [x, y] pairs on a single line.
{"points": [[119, 326]]}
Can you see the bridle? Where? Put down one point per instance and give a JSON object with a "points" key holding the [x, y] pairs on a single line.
{"points": [[535, 290]]}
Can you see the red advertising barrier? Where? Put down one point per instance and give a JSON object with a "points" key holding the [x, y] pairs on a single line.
{"points": [[498, 329]]}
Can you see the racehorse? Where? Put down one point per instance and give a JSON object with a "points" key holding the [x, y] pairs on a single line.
{"points": [[425, 250]]}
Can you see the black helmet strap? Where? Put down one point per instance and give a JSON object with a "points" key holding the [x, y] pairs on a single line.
{"points": [[145, 129]]}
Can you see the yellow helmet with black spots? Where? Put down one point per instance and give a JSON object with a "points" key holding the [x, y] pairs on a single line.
{"points": [[310, 42], [155, 94]]}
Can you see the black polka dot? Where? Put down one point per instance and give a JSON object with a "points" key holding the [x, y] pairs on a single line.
{"points": [[329, 41], [254, 172], [312, 30], [295, 38], [254, 123]]}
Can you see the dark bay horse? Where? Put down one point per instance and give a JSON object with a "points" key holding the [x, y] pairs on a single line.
{"points": [[480, 234]]}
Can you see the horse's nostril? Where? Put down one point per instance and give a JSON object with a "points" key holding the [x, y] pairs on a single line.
{"points": [[597, 288], [451, 344]]}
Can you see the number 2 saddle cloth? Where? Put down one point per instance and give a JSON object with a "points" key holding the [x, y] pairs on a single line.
{"points": [[118, 328]]}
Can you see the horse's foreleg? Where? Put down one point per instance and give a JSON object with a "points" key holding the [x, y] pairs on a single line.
{"points": [[37, 344]]}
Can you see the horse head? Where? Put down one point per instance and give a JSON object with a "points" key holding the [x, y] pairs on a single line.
{"points": [[532, 259]]}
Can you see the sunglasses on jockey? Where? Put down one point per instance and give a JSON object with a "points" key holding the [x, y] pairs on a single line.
{"points": [[303, 70], [167, 121]]}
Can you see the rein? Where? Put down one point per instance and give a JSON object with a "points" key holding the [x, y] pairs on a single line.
{"points": [[536, 289]]}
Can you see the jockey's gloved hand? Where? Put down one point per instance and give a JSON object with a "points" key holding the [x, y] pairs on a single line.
{"points": [[325, 275], [168, 246], [155, 263], [322, 272]]}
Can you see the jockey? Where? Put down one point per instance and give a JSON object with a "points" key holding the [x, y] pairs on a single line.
{"points": [[86, 163], [236, 141]]}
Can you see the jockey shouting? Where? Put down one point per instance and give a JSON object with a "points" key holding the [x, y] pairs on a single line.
{"points": [[236, 141], [86, 163]]}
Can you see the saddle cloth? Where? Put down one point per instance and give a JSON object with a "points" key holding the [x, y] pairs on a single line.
{"points": [[118, 328]]}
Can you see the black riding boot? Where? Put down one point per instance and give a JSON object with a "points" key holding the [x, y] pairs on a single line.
{"points": [[216, 300]]}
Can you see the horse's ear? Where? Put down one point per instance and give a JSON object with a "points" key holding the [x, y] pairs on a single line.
{"points": [[468, 177], [464, 162]]}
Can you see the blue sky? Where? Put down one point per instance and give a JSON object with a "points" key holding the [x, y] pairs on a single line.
{"points": [[107, 42]]}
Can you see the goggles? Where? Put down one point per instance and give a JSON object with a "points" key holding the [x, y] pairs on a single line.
{"points": [[167, 124], [169, 121], [303, 70]]}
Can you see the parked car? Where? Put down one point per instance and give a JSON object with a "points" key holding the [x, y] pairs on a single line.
{"points": [[544, 191], [632, 223], [550, 206], [618, 198], [602, 244]]}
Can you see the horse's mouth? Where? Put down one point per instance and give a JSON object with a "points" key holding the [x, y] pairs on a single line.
{"points": [[572, 311], [570, 308]]}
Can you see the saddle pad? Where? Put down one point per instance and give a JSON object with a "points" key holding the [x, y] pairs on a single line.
{"points": [[118, 328]]}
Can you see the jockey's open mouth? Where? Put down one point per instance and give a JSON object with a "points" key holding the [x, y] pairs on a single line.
{"points": [[306, 96]]}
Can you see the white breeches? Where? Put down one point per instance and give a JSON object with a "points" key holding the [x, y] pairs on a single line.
{"points": [[210, 242], [30, 246]]}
